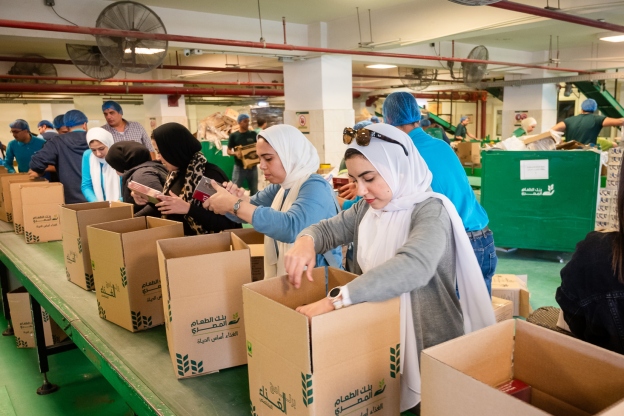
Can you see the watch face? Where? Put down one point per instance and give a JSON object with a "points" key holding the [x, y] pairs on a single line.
{"points": [[334, 292]]}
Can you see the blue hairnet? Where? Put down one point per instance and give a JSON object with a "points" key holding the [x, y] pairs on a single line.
{"points": [[112, 105], [242, 117], [425, 123], [74, 118], [361, 125], [461, 120], [58, 121], [20, 124], [589, 106], [401, 108], [45, 123], [374, 119]]}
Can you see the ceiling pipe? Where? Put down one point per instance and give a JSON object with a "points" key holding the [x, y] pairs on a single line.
{"points": [[51, 27], [139, 89], [556, 15]]}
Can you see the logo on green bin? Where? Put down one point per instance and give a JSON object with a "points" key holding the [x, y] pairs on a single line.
{"points": [[538, 191]]}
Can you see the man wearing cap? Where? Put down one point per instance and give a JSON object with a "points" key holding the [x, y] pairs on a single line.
{"points": [[123, 130], [64, 152], [58, 124], [585, 127], [243, 137], [46, 129], [449, 178], [461, 131], [23, 147]]}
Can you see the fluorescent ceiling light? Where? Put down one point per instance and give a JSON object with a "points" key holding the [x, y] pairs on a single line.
{"points": [[617, 38], [381, 66], [144, 51]]}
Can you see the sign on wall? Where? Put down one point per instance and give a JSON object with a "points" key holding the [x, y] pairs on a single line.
{"points": [[303, 122]]}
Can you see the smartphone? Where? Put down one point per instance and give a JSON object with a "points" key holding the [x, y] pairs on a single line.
{"points": [[204, 189]]}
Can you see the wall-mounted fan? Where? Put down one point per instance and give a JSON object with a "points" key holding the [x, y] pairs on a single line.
{"points": [[417, 79], [127, 53], [474, 72], [34, 68], [90, 61]]}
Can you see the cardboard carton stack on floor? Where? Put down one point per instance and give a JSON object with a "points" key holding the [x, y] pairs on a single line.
{"points": [[6, 206], [606, 213], [343, 362], [124, 260], [74, 221], [565, 376], [21, 318], [217, 126], [41, 212], [202, 278], [469, 153], [513, 288], [503, 309], [16, 202]]}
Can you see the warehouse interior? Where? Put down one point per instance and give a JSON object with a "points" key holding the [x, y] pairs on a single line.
{"points": [[320, 66]]}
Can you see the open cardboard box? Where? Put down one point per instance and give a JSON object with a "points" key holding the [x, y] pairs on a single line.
{"points": [[342, 362], [16, 202], [514, 288], [6, 206], [41, 212], [124, 259], [469, 153], [503, 309], [255, 242], [74, 221], [205, 321], [568, 377]]}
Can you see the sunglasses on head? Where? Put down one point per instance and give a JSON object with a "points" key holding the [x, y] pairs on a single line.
{"points": [[363, 137]]}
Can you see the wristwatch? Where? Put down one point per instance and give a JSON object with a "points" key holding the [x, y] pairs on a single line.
{"points": [[237, 206], [335, 295]]}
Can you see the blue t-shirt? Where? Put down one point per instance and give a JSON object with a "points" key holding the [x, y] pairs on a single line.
{"points": [[449, 179], [22, 152]]}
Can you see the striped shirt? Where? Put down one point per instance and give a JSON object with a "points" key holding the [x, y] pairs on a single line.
{"points": [[132, 132]]}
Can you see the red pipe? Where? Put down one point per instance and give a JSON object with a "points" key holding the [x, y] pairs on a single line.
{"points": [[556, 15], [143, 81], [131, 89], [50, 27]]}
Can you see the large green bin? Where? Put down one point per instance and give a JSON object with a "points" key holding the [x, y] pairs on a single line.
{"points": [[552, 213], [213, 155]]}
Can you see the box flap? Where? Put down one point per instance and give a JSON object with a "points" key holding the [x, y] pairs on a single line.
{"points": [[248, 235], [196, 245], [153, 222], [543, 359], [50, 193], [337, 277], [122, 226]]}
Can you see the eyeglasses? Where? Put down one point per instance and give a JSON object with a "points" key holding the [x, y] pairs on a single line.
{"points": [[363, 137]]}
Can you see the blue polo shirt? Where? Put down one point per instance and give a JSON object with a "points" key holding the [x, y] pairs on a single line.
{"points": [[22, 152], [449, 179]]}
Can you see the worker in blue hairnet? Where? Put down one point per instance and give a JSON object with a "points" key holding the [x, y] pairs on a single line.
{"points": [[58, 124], [23, 147], [122, 129], [585, 127], [449, 178], [374, 119], [461, 131], [46, 129], [434, 130], [64, 153], [243, 137]]}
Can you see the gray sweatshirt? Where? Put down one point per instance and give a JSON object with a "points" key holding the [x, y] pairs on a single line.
{"points": [[424, 267]]}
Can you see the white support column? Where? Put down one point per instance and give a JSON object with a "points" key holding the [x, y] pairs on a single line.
{"points": [[157, 108], [91, 105], [323, 88]]}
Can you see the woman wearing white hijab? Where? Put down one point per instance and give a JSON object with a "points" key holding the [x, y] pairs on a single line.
{"points": [[100, 182], [296, 198], [409, 242]]}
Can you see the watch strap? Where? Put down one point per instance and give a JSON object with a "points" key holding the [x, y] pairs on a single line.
{"points": [[237, 206]]}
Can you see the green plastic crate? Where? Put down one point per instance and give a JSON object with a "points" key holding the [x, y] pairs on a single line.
{"points": [[542, 214]]}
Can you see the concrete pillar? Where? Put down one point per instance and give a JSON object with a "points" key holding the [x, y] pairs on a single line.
{"points": [[322, 87], [91, 105], [159, 110], [46, 112]]}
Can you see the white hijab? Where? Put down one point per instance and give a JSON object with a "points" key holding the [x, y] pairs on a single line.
{"points": [[300, 160], [101, 170], [383, 232]]}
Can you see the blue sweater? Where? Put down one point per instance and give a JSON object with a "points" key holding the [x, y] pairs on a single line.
{"points": [[87, 181], [314, 203], [449, 179], [22, 152]]}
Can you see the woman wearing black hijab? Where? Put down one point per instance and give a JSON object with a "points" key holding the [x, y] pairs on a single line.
{"points": [[181, 155], [133, 162]]}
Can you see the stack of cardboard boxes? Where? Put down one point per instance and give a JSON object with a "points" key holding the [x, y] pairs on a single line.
{"points": [[606, 212]]}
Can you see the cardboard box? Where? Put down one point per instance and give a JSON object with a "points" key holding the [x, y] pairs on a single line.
{"points": [[41, 211], [346, 360], [16, 203], [469, 153], [205, 321], [6, 206], [22, 320], [249, 156], [74, 221], [124, 259], [503, 309], [513, 288], [567, 376], [255, 242]]}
